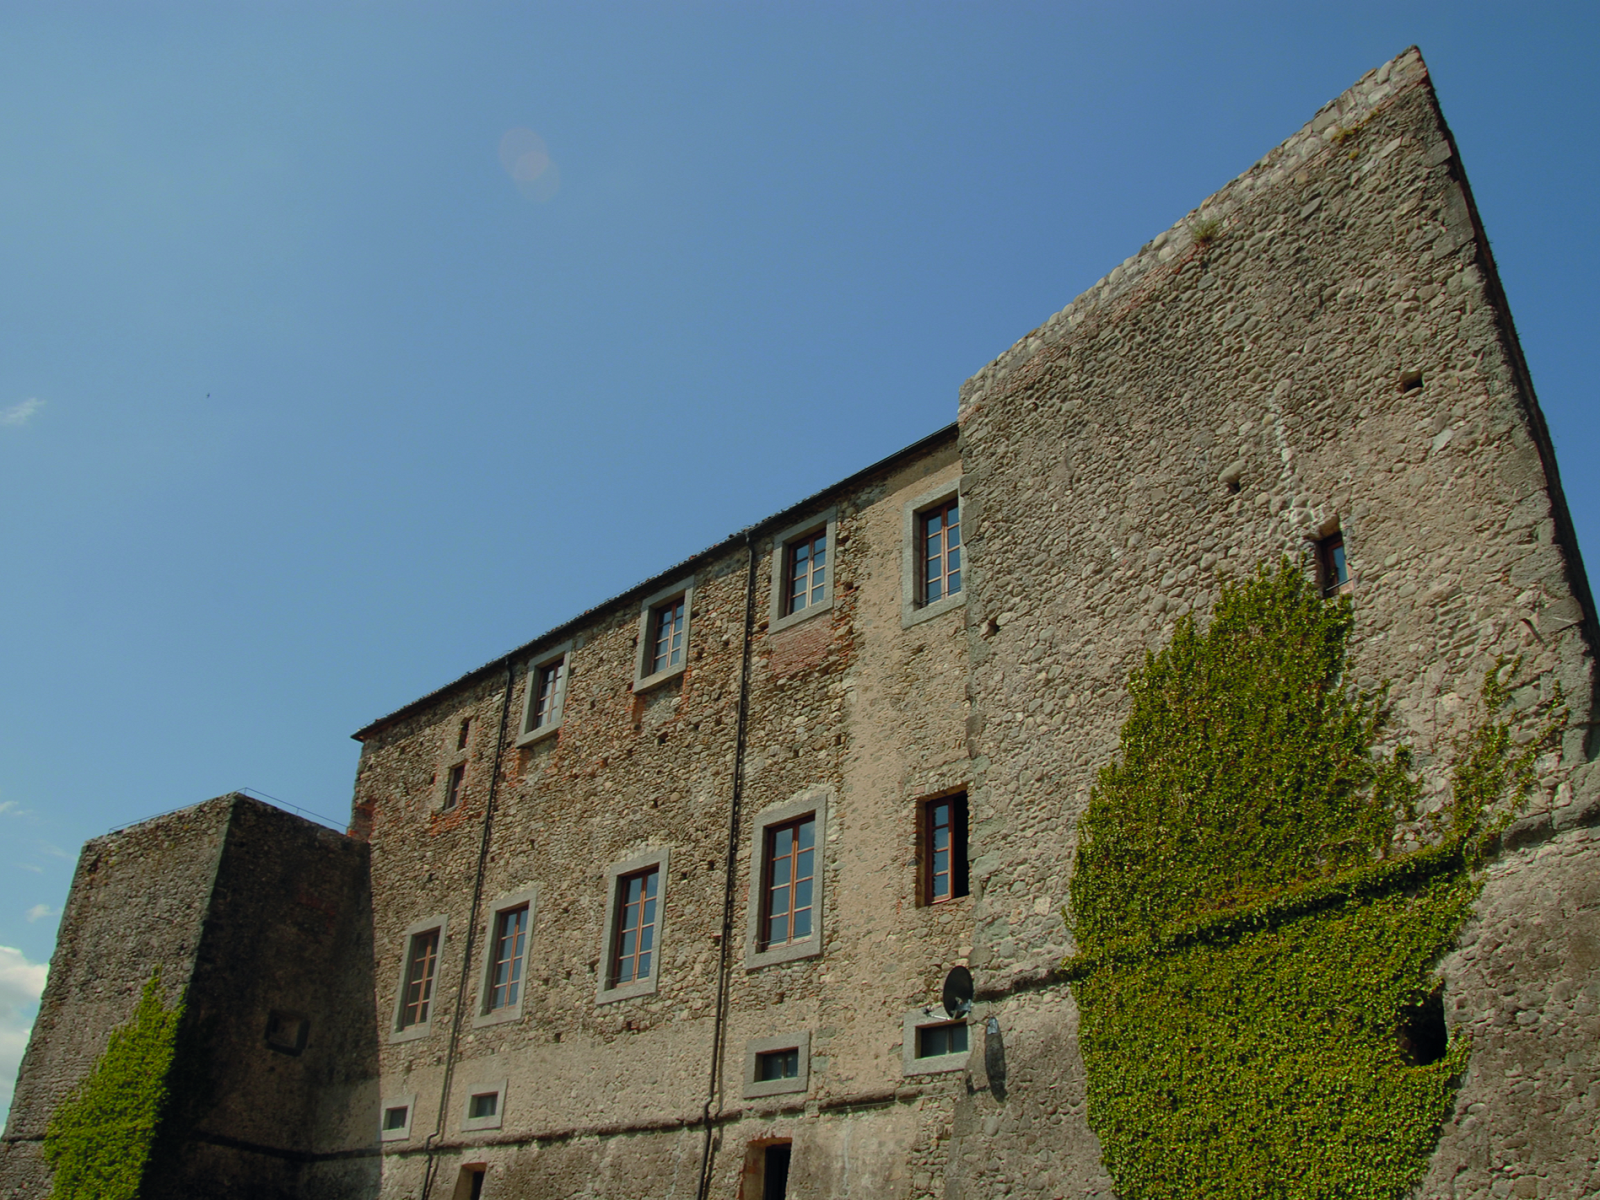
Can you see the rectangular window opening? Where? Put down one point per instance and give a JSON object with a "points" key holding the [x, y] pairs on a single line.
{"points": [[775, 1171], [778, 1064], [395, 1118], [634, 947], [806, 573], [936, 1040], [461, 734], [666, 636], [455, 786], [510, 942], [789, 871], [422, 958], [546, 690], [1333, 573], [943, 856], [484, 1104], [939, 539]]}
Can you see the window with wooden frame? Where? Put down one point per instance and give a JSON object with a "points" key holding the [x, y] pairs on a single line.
{"points": [[774, 1066], [1333, 573], [805, 572], [789, 870], [939, 537], [545, 696], [942, 848], [932, 1043], [455, 786], [421, 963], [935, 1041], [666, 636], [665, 632], [634, 942], [506, 954]]}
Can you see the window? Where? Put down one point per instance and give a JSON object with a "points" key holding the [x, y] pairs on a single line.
{"points": [[511, 931], [455, 786], [508, 935], [1333, 574], [664, 626], [802, 571], [421, 959], [932, 570], [785, 913], [766, 1169], [419, 972], [943, 852], [485, 1107], [469, 1184], [940, 533], [543, 705], [775, 1066], [933, 1042], [395, 1123], [636, 927], [790, 868], [636, 898], [287, 1032], [463, 733]]}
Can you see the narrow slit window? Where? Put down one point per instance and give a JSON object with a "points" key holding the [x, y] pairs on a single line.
{"points": [[462, 734], [546, 690], [807, 571], [778, 1064], [790, 871], [940, 537], [422, 957], [455, 785], [934, 1041], [944, 848], [636, 927], [510, 941], [666, 636], [1332, 571]]}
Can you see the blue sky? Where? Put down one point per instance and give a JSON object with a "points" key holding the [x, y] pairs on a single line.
{"points": [[309, 404]]}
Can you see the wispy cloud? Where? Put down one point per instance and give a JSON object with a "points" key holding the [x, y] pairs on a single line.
{"points": [[21, 984], [34, 867], [40, 911], [21, 414], [11, 808]]}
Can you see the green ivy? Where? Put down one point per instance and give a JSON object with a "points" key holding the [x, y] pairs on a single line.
{"points": [[1251, 934], [99, 1140]]}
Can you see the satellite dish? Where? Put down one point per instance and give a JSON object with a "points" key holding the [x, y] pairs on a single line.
{"points": [[957, 993]]}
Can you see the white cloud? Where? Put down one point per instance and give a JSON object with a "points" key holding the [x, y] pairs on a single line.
{"points": [[40, 911], [21, 983], [9, 808], [19, 414]]}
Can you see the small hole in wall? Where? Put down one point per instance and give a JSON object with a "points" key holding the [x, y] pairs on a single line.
{"points": [[1233, 487], [1422, 1034], [992, 628], [1410, 381]]}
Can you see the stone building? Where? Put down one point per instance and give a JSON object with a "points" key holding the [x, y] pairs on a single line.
{"points": [[660, 903]]}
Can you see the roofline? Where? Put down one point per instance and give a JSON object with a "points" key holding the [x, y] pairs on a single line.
{"points": [[655, 582]]}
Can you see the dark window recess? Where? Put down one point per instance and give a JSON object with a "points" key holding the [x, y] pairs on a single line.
{"points": [[455, 786], [775, 1172], [421, 958], [287, 1032], [395, 1118], [778, 1064], [485, 1105], [1333, 573], [1422, 1033], [461, 735], [934, 1040], [944, 848]]}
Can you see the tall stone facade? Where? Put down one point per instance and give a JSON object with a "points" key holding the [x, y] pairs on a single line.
{"points": [[1320, 348]]}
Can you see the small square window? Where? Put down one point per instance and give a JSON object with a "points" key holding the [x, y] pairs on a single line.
{"points": [[287, 1032], [455, 786], [778, 1064], [934, 1041], [1333, 573], [485, 1107], [396, 1117], [943, 855], [790, 872], [394, 1124], [485, 1104]]}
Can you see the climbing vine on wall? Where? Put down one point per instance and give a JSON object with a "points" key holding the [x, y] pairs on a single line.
{"points": [[99, 1140], [1259, 908]]}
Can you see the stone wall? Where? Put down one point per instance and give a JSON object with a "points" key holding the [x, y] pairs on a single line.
{"points": [[1322, 345]]}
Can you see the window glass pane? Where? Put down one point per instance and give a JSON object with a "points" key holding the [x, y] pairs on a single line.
{"points": [[802, 925], [806, 833], [802, 894]]}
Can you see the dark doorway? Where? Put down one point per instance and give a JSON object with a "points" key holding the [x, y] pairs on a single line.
{"points": [[775, 1172]]}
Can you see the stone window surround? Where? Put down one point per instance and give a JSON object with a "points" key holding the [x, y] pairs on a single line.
{"points": [[658, 858], [647, 607], [813, 799], [561, 653], [922, 1018], [422, 1028], [912, 611], [776, 617], [753, 1050], [404, 1132], [498, 1087], [511, 1012]]}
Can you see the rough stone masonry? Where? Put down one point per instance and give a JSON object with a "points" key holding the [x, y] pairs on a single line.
{"points": [[1320, 348]]}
